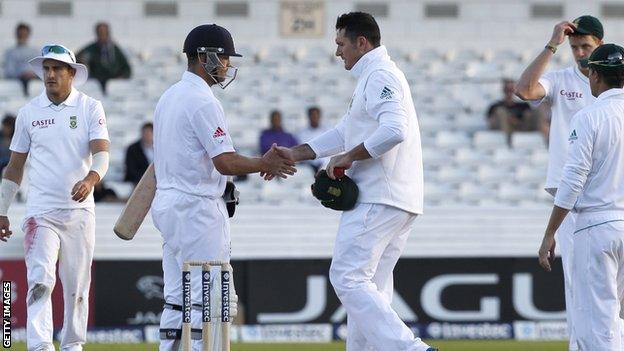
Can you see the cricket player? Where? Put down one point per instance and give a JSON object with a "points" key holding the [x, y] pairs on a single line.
{"points": [[64, 132], [592, 186], [568, 91], [381, 137], [193, 154]]}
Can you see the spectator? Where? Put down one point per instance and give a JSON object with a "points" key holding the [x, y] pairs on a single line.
{"points": [[313, 130], [104, 58], [140, 154], [276, 134], [510, 115], [16, 58], [6, 134]]}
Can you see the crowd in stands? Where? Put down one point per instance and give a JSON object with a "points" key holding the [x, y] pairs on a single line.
{"points": [[106, 60]]}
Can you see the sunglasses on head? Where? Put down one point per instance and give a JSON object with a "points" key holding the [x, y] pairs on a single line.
{"points": [[57, 49]]}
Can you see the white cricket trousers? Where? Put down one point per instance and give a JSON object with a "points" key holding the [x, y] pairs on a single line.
{"points": [[370, 240], [66, 236], [193, 228], [599, 286], [565, 243]]}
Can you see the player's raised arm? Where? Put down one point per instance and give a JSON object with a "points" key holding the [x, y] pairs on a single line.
{"points": [[528, 87], [13, 174]]}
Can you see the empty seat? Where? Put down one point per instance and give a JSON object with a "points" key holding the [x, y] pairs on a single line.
{"points": [[471, 156], [452, 174], [490, 140], [514, 192], [539, 158], [527, 141], [452, 140], [493, 174], [35, 87], [474, 193], [530, 174], [510, 157], [10, 88]]}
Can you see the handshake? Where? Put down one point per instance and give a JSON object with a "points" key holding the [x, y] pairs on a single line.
{"points": [[279, 162]]}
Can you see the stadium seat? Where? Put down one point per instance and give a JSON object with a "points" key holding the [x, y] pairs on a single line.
{"points": [[510, 157], [539, 158], [10, 88], [473, 193], [35, 87], [527, 140], [490, 140], [454, 175], [493, 174], [471, 157], [452, 140], [528, 173], [514, 193]]}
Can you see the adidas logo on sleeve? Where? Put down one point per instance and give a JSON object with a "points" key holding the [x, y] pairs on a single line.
{"points": [[386, 93]]}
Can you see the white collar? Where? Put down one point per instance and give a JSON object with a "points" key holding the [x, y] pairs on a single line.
{"points": [[609, 93], [195, 80], [72, 99], [378, 53]]}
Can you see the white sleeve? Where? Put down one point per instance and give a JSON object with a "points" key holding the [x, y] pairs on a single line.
{"points": [[384, 102], [547, 81], [578, 163], [21, 137], [329, 143], [209, 126], [97, 122]]}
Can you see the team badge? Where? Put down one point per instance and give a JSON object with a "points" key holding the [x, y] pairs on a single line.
{"points": [[73, 122]]}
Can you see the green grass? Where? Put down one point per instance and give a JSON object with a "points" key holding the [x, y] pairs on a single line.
{"points": [[443, 345]]}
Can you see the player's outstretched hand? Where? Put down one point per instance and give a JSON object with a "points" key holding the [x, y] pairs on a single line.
{"points": [[337, 165], [547, 252], [277, 164], [561, 30], [5, 231]]}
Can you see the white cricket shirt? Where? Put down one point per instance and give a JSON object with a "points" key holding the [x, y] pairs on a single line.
{"points": [[57, 140], [189, 130], [382, 107], [593, 175], [568, 91]]}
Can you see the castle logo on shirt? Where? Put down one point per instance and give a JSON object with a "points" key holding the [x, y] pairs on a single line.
{"points": [[219, 135], [571, 95], [43, 123], [73, 122], [386, 93]]}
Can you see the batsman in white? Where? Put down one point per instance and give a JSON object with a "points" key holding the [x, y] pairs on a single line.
{"points": [[193, 154], [592, 186], [64, 132], [381, 137], [567, 91]]}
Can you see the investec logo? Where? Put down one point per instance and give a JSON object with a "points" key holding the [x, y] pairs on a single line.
{"points": [[206, 296], [225, 296], [187, 297]]}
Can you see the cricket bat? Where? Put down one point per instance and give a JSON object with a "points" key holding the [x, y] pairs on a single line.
{"points": [[137, 206]]}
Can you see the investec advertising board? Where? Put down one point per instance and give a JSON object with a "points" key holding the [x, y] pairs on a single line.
{"points": [[454, 298]]}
